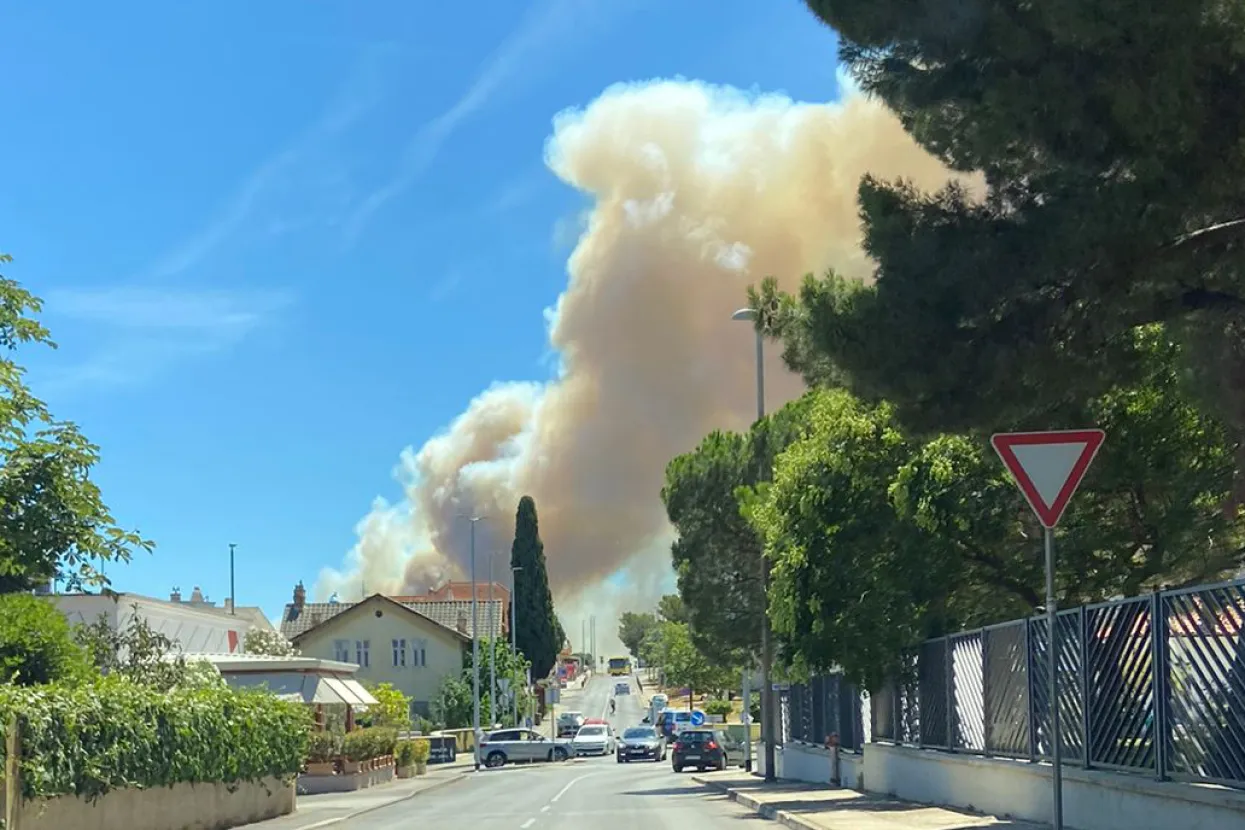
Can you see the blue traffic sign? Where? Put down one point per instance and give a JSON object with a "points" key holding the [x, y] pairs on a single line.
{"points": [[698, 718]]}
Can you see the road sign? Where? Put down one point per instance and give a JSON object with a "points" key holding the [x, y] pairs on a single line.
{"points": [[698, 718], [1048, 466]]}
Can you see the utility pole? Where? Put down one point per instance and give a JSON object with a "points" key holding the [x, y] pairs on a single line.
{"points": [[233, 594], [492, 648], [514, 642], [475, 648]]}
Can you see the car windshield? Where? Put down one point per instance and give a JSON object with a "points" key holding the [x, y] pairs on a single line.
{"points": [[569, 716], [590, 731], [639, 734]]}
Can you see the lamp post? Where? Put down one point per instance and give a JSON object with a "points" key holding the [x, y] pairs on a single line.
{"points": [[767, 658], [514, 642], [492, 647], [475, 648]]}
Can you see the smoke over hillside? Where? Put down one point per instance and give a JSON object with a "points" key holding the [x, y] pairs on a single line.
{"points": [[696, 191]]}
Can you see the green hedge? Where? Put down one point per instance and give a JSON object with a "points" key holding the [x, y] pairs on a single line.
{"points": [[113, 734]]}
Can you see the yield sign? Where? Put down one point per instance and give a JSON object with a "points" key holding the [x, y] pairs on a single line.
{"points": [[1048, 466]]}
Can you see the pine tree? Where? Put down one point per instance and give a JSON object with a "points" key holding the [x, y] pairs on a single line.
{"points": [[537, 630]]}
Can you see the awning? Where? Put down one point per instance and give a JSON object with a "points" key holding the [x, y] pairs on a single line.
{"points": [[306, 688]]}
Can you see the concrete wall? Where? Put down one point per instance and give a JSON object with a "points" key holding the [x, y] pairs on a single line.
{"points": [[801, 762], [180, 807], [443, 651], [1093, 799]]}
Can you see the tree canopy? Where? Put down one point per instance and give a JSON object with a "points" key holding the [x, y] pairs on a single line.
{"points": [[633, 628], [53, 522], [538, 633], [1110, 201]]}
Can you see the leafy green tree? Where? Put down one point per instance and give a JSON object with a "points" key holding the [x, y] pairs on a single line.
{"points": [[37, 645], [267, 642], [510, 666], [539, 633], [454, 704], [54, 524], [633, 628], [670, 608], [139, 653], [685, 665], [1107, 205], [392, 709]]}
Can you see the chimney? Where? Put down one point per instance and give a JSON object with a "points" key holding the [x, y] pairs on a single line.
{"points": [[300, 595], [462, 623], [176, 595], [196, 595]]}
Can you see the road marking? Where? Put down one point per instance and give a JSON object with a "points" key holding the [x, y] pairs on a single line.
{"points": [[527, 824], [545, 809], [569, 784]]}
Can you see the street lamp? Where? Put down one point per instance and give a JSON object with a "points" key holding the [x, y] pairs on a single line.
{"points": [[767, 657], [514, 642], [492, 646], [475, 647]]}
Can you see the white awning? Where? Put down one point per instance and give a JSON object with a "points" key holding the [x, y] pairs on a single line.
{"points": [[306, 688]]}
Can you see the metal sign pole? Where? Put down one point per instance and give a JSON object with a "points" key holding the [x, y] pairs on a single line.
{"points": [[1052, 668]]}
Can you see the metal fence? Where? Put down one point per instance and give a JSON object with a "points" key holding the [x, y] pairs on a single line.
{"points": [[825, 705], [1151, 684]]}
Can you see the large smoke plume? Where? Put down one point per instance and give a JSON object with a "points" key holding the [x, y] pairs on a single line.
{"points": [[696, 191]]}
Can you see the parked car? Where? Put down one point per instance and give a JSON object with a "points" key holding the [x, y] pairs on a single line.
{"points": [[569, 723], [594, 739], [704, 749], [640, 743], [510, 745]]}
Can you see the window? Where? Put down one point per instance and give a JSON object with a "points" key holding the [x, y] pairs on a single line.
{"points": [[361, 649], [419, 654], [341, 651], [399, 653]]}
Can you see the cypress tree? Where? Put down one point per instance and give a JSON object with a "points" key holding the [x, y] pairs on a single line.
{"points": [[536, 633]]}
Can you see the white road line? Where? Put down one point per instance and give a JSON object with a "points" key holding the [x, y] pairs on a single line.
{"points": [[545, 809], [569, 784], [527, 824]]}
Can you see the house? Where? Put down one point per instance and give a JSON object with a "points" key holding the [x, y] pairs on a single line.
{"points": [[391, 642], [195, 630]]}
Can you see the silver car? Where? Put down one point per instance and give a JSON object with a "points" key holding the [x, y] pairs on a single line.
{"points": [[594, 739], [511, 745]]}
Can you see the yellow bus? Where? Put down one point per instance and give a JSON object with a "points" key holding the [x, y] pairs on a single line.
{"points": [[620, 666]]}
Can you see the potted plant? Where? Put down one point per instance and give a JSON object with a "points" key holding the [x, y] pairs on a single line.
{"points": [[321, 750], [354, 752], [404, 757], [420, 750]]}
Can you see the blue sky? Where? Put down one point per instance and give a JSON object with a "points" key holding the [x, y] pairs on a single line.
{"points": [[280, 241]]}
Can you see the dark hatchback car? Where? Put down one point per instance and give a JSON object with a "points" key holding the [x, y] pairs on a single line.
{"points": [[700, 748], [641, 743]]}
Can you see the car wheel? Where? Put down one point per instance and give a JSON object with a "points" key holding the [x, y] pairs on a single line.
{"points": [[559, 754], [678, 767], [495, 759], [721, 765]]}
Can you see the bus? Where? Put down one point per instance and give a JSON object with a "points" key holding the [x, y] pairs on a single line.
{"points": [[620, 666]]}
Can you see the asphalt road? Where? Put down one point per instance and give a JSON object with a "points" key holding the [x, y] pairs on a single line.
{"points": [[570, 796]]}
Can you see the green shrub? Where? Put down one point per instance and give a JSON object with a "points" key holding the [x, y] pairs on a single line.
{"points": [[717, 707], [114, 733], [324, 746], [37, 643], [421, 748], [405, 754]]}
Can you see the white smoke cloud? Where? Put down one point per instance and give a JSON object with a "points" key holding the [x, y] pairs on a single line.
{"points": [[697, 191]]}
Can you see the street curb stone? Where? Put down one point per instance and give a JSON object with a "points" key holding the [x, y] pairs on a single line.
{"points": [[328, 822], [763, 810]]}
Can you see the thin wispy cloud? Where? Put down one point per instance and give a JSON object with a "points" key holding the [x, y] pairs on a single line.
{"points": [[526, 47], [360, 93], [139, 332]]}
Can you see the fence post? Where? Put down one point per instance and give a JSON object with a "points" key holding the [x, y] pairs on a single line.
{"points": [[948, 677], [13, 775], [1029, 686], [1159, 671], [987, 735], [1087, 722]]}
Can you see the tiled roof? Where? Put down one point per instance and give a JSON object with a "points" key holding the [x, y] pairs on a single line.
{"points": [[295, 622]]}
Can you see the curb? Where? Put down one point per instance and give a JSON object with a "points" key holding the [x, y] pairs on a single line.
{"points": [[328, 822], [763, 810]]}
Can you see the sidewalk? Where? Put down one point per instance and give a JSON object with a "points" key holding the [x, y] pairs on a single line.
{"points": [[315, 811], [813, 807]]}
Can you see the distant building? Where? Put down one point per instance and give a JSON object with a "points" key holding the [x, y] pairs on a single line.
{"points": [[196, 629], [390, 641]]}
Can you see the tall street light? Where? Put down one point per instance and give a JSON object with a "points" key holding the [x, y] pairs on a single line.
{"points": [[514, 642], [475, 646], [492, 646], [749, 315]]}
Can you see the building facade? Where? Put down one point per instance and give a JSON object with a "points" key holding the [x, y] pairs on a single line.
{"points": [[194, 630]]}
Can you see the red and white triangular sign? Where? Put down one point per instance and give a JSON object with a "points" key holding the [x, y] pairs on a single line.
{"points": [[1048, 466]]}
